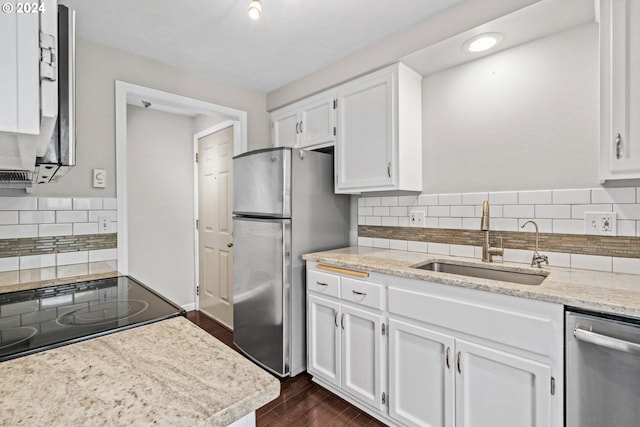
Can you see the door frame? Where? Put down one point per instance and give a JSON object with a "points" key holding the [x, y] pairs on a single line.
{"points": [[206, 132], [128, 93]]}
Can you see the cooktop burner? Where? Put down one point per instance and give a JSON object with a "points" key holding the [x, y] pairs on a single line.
{"points": [[40, 319], [105, 313]]}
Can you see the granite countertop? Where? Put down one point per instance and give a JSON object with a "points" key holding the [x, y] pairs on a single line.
{"points": [[613, 293], [166, 373]]}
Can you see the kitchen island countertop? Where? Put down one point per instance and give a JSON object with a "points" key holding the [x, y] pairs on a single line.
{"points": [[613, 293], [166, 373]]}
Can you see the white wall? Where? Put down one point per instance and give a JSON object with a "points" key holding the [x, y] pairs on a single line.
{"points": [[522, 119], [160, 202], [97, 68]]}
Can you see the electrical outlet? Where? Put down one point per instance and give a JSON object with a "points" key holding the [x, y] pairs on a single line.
{"points": [[416, 219], [104, 224], [601, 223]]}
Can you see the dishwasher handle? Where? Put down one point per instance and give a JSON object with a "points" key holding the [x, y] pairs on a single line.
{"points": [[606, 341]]}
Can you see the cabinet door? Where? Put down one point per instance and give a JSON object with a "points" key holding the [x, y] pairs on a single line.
{"points": [[285, 128], [498, 389], [362, 355], [620, 88], [317, 122], [20, 72], [366, 134], [323, 339], [421, 375]]}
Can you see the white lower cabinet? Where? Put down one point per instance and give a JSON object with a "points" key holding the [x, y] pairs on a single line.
{"points": [[496, 388], [448, 357], [421, 375], [346, 349]]}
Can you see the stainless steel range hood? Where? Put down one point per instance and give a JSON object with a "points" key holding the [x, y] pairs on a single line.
{"points": [[24, 161]]}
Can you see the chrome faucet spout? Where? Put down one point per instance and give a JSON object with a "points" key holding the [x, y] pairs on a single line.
{"points": [[537, 257]]}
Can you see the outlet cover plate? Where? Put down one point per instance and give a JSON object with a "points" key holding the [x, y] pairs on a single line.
{"points": [[416, 219], [601, 223]]}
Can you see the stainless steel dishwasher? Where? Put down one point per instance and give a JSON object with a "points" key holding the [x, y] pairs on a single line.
{"points": [[602, 368]]}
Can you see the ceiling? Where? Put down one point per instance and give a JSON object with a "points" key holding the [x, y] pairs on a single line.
{"points": [[217, 38]]}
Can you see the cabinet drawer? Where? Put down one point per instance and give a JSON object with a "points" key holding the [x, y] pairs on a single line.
{"points": [[322, 283], [520, 329], [359, 292]]}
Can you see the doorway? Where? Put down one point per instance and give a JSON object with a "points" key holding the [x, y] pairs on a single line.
{"points": [[214, 187], [183, 291]]}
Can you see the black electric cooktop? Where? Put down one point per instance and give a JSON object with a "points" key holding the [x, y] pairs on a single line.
{"points": [[40, 319]]}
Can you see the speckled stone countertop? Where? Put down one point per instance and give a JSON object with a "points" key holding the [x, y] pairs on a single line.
{"points": [[19, 280], [613, 293], [167, 373]]}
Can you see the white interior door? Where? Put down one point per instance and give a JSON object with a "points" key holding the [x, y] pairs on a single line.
{"points": [[215, 202]]}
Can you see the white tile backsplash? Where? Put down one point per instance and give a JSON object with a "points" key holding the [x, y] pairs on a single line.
{"points": [[67, 258], [381, 211], [438, 248], [564, 197], [555, 211], [9, 263], [389, 221], [37, 261], [504, 198], [86, 203], [626, 265], [591, 262], [37, 217], [19, 204], [535, 197], [50, 230], [613, 195], [54, 203], [8, 217], [71, 216], [450, 199], [18, 231]]}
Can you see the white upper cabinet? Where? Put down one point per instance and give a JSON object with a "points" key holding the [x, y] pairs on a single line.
{"points": [[28, 80], [379, 134], [308, 123], [619, 89]]}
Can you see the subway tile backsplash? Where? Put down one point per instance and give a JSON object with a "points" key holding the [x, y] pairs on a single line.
{"points": [[33, 230], [555, 212]]}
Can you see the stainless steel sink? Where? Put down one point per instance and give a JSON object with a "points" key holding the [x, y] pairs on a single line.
{"points": [[502, 274]]}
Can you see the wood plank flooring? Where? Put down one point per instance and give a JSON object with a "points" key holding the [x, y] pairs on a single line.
{"points": [[301, 401]]}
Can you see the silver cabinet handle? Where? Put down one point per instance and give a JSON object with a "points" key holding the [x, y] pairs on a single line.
{"points": [[458, 362], [321, 284], [389, 169], [342, 320], [607, 341], [446, 359], [297, 132], [618, 146], [301, 127], [362, 294], [335, 319]]}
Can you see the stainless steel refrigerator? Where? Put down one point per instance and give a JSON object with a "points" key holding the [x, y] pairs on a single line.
{"points": [[284, 206]]}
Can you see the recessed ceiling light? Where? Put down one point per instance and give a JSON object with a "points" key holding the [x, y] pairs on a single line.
{"points": [[255, 9], [482, 42]]}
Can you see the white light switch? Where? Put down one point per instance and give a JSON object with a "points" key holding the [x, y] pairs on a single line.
{"points": [[99, 178]]}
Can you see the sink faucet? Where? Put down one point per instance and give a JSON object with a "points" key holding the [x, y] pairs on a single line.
{"points": [[488, 252], [537, 258]]}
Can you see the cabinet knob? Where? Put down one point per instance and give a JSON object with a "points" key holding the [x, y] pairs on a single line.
{"points": [[229, 245]]}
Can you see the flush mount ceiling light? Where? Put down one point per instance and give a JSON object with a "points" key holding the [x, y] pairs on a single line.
{"points": [[482, 42], [255, 9]]}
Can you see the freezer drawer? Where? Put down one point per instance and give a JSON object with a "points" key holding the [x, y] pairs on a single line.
{"points": [[261, 284], [264, 177]]}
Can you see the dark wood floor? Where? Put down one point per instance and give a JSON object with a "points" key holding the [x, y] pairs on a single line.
{"points": [[301, 401]]}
